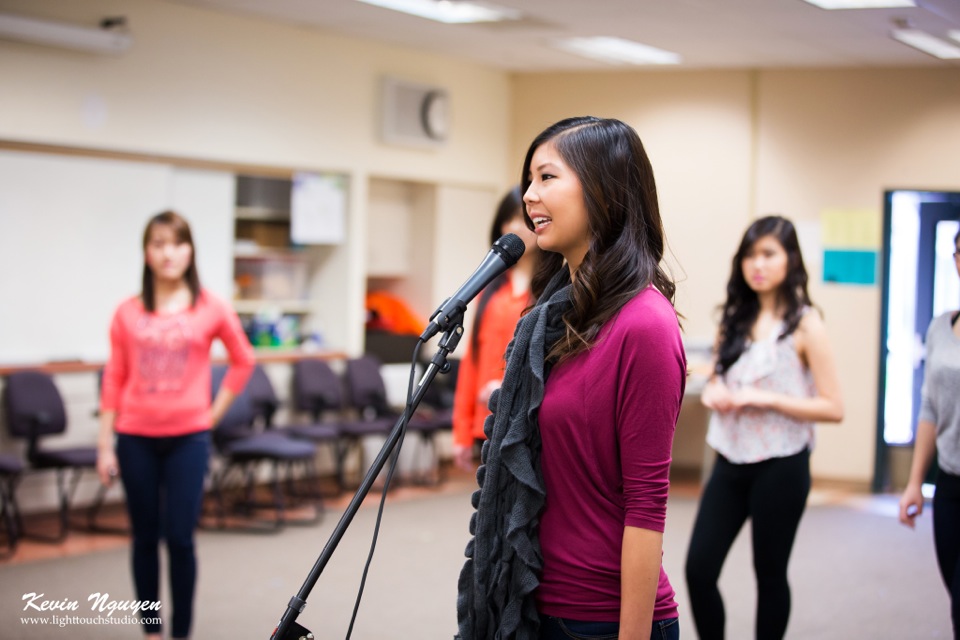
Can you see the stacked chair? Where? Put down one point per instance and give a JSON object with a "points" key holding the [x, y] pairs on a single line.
{"points": [[368, 396], [319, 392], [34, 410], [266, 403], [245, 440]]}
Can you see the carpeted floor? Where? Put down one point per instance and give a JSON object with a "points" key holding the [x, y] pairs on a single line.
{"points": [[856, 573]]}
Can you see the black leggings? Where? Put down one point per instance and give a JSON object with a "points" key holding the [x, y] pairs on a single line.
{"points": [[946, 536], [773, 494], [163, 480]]}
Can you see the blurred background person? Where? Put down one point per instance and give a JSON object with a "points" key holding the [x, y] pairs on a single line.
{"points": [[498, 309], [156, 412], [938, 433], [774, 376]]}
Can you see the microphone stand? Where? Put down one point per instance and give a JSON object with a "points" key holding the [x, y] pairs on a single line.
{"points": [[288, 629]]}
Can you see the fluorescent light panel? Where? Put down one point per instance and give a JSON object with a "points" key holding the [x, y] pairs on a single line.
{"points": [[617, 51], [861, 4], [927, 43], [59, 34], [448, 11]]}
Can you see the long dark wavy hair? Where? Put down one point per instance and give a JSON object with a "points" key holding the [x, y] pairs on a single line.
{"points": [[509, 206], [181, 228], [626, 232], [740, 311]]}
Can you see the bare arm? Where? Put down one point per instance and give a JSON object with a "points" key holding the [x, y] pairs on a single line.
{"points": [[107, 467], [813, 346], [639, 577], [715, 394], [911, 503], [220, 404]]}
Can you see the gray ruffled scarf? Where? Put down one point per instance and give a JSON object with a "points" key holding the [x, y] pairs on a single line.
{"points": [[495, 600]]}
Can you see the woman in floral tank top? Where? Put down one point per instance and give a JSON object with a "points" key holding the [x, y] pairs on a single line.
{"points": [[774, 377]]}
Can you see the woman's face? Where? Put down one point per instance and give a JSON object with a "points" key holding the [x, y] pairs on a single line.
{"points": [[765, 265], [518, 225], [167, 257], [555, 203]]}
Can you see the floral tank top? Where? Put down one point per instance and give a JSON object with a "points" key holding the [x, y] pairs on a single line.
{"points": [[751, 434]]}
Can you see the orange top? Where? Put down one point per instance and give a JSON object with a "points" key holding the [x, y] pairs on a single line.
{"points": [[495, 332]]}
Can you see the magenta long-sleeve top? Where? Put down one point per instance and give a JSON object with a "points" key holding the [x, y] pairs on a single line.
{"points": [[607, 424]]}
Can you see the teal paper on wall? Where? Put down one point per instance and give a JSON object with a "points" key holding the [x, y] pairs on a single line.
{"points": [[843, 266]]}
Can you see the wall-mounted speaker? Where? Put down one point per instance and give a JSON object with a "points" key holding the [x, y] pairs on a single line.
{"points": [[414, 114]]}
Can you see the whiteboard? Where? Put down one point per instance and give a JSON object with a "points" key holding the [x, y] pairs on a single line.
{"points": [[70, 245]]}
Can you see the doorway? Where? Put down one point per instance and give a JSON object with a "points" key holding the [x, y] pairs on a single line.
{"points": [[919, 283]]}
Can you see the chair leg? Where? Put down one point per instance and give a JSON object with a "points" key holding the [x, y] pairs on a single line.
{"points": [[308, 492], [66, 490], [278, 499], [94, 510], [9, 512]]}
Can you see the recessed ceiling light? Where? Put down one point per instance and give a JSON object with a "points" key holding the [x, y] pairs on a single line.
{"points": [[927, 43], [861, 4], [449, 11], [617, 51]]}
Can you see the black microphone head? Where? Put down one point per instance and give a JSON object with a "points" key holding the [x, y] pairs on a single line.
{"points": [[510, 247]]}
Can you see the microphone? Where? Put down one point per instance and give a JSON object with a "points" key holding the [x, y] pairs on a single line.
{"points": [[502, 255]]}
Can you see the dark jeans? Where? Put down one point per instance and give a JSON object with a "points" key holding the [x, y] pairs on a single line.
{"points": [[566, 629], [163, 480], [946, 536], [773, 494]]}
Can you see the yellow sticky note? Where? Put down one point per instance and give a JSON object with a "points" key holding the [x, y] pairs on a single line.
{"points": [[852, 228]]}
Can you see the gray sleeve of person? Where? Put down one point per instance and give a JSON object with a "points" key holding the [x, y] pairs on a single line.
{"points": [[940, 396]]}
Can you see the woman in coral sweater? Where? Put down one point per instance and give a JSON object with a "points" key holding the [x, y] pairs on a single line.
{"points": [[156, 413]]}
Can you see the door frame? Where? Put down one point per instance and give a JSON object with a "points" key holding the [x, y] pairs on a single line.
{"points": [[881, 471]]}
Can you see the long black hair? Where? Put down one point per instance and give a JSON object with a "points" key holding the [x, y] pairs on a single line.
{"points": [[626, 232], [509, 206], [742, 307], [181, 229]]}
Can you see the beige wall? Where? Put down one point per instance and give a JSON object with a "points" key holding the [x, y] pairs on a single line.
{"points": [[726, 145], [232, 88], [229, 87], [235, 89], [729, 146]]}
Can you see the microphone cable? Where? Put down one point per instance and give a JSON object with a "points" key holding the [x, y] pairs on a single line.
{"points": [[394, 457]]}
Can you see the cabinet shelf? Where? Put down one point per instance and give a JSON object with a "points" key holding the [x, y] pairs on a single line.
{"points": [[249, 307], [241, 253], [262, 214]]}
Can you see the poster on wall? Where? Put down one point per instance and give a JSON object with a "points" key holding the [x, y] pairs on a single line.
{"points": [[318, 209], [851, 246]]}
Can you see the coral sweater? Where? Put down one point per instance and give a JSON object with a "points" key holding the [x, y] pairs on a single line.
{"points": [[157, 379]]}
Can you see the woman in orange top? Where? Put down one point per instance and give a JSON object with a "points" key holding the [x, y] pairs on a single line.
{"points": [[499, 308]]}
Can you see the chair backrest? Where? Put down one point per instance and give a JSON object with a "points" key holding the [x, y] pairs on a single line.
{"points": [[366, 389], [238, 421], [33, 405], [316, 388], [262, 396]]}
